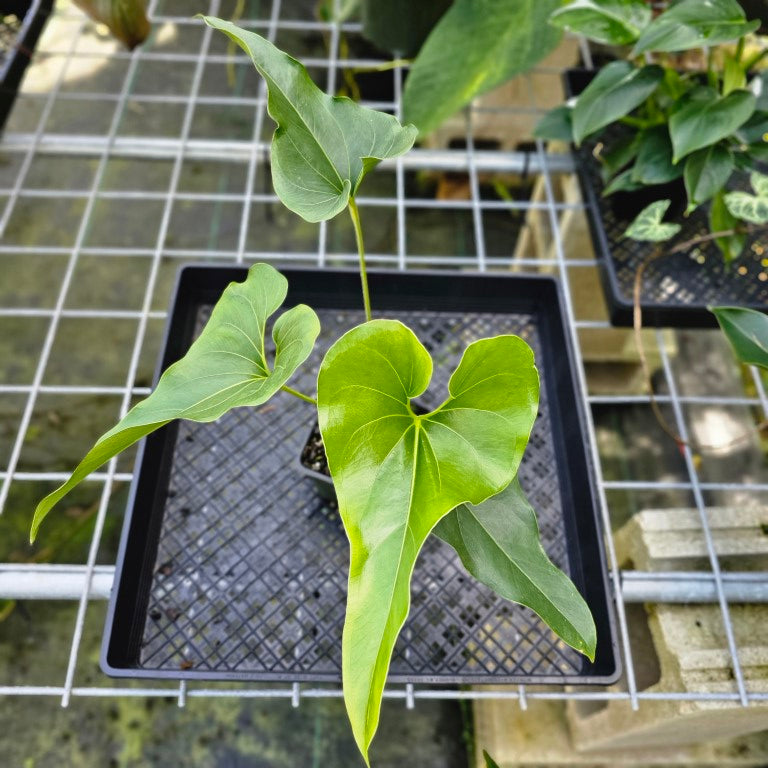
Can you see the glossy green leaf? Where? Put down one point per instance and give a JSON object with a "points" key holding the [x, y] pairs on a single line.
{"points": [[693, 24], [648, 226], [498, 543], [555, 125], [654, 159], [613, 22], [616, 90], [751, 208], [706, 173], [619, 155], [324, 145], [753, 130], [747, 332], [623, 182], [397, 474], [489, 761], [476, 46], [706, 118], [722, 220], [226, 367]]}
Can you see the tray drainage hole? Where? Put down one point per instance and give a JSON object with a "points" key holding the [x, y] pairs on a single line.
{"points": [[316, 594], [189, 439], [185, 511]]}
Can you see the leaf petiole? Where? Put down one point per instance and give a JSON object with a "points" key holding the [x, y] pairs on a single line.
{"points": [[355, 214], [298, 394]]}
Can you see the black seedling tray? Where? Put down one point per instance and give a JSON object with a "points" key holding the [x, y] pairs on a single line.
{"points": [[33, 15], [231, 566], [676, 288]]}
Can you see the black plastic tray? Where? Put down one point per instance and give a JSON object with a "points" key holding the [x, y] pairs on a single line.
{"points": [[676, 289], [231, 566], [35, 14]]}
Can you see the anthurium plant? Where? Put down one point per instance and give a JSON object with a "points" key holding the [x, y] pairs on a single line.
{"points": [[652, 124], [399, 474]]}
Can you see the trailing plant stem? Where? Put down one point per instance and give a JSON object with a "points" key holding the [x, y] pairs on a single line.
{"points": [[355, 214], [301, 396]]}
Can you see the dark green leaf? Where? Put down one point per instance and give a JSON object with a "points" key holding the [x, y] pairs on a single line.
{"points": [[754, 129], [622, 183], [555, 125], [757, 153], [613, 22], [397, 474], [225, 368], [654, 160], [722, 220], [619, 155], [693, 24], [648, 226], [706, 173], [498, 543], [489, 761], [705, 120], [324, 145], [618, 88], [747, 332], [477, 45]]}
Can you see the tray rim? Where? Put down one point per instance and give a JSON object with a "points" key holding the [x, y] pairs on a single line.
{"points": [[547, 282]]}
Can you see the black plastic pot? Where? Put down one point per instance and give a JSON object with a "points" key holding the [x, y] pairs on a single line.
{"points": [[677, 289], [231, 566], [32, 15]]}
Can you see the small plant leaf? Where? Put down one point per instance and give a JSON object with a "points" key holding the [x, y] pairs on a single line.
{"points": [[654, 159], [694, 24], [754, 129], [623, 182], [706, 172], [759, 182], [706, 118], [612, 22], [722, 220], [746, 207], [555, 125], [616, 90], [324, 145], [476, 46], [499, 544], [619, 155], [397, 474], [226, 367], [747, 332], [489, 761], [648, 225]]}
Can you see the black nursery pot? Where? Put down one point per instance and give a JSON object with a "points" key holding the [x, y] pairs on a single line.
{"points": [[231, 565], [32, 15], [677, 289]]}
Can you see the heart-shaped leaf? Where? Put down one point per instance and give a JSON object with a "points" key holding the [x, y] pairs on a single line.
{"points": [[705, 118], [498, 542], [476, 46], [751, 208], [616, 90], [226, 367], [397, 474], [706, 173], [623, 182], [324, 145], [654, 159], [747, 332], [648, 225], [612, 22], [694, 24], [759, 182]]}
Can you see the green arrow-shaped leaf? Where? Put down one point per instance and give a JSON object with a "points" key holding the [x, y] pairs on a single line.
{"points": [[612, 22], [226, 367], [693, 24], [705, 118], [747, 332], [498, 542], [648, 226], [706, 173], [324, 145], [489, 761], [476, 46], [397, 474], [616, 90]]}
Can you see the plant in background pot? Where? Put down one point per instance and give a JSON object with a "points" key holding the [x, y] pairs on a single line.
{"points": [[399, 474], [664, 142]]}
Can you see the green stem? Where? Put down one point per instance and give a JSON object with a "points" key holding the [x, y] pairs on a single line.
{"points": [[355, 214], [293, 392]]}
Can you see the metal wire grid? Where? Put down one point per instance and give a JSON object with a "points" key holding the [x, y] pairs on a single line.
{"points": [[91, 581]]}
